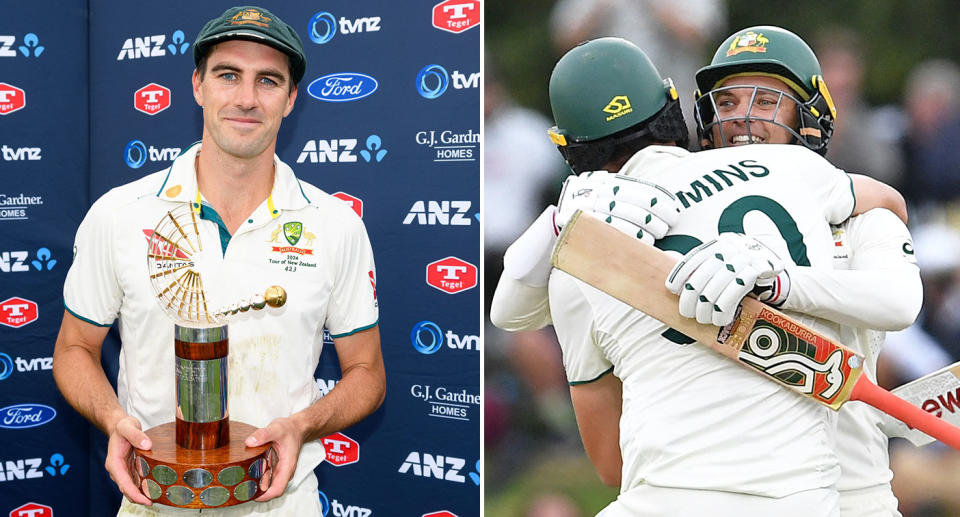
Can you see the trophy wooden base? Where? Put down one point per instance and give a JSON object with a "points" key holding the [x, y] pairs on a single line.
{"points": [[200, 478]]}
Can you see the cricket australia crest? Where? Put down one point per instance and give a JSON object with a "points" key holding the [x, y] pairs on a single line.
{"points": [[292, 231]]}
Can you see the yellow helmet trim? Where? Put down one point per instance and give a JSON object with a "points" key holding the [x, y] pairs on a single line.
{"points": [[557, 138]]}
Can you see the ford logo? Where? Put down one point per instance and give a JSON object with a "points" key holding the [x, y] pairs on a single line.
{"points": [[342, 87], [22, 416]]}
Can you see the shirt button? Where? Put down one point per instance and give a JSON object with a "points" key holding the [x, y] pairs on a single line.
{"points": [[250, 221]]}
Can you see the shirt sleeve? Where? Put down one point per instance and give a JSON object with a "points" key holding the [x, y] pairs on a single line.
{"points": [[517, 306], [880, 291], [836, 190], [353, 300], [583, 360], [92, 290]]}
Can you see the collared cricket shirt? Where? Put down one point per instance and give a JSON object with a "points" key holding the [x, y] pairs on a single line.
{"points": [[300, 238]]}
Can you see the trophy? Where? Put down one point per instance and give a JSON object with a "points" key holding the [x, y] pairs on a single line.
{"points": [[199, 460]]}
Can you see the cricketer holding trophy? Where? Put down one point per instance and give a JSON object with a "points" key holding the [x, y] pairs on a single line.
{"points": [[259, 227]]}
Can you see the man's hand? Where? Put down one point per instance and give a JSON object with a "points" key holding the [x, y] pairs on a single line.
{"points": [[287, 440], [714, 277], [635, 207], [119, 462]]}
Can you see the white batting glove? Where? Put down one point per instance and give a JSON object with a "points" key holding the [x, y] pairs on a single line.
{"points": [[714, 277], [636, 207]]}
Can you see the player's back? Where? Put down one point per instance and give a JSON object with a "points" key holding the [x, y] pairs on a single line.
{"points": [[722, 426]]}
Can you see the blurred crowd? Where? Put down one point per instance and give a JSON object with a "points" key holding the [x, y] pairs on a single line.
{"points": [[531, 439]]}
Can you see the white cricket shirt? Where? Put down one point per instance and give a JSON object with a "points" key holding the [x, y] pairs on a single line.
{"points": [[326, 267], [691, 417], [876, 241]]}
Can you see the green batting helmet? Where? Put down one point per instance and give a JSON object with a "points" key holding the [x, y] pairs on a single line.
{"points": [[776, 52], [608, 98]]}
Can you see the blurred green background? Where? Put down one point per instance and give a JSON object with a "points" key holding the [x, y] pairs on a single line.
{"points": [[535, 466]]}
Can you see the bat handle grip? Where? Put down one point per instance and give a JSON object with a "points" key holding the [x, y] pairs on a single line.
{"points": [[866, 391]]}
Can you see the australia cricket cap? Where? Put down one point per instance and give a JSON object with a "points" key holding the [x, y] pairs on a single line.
{"points": [[253, 24]]}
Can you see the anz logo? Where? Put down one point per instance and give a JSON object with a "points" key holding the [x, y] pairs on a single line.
{"points": [[443, 213], [437, 466], [31, 46], [341, 150], [153, 46]]}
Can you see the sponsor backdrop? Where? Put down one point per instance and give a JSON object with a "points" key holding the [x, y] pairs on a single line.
{"points": [[96, 93]]}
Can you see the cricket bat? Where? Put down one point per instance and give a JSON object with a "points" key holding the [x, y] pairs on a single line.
{"points": [[761, 338], [937, 393]]}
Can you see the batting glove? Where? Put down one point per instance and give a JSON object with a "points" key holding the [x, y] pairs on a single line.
{"points": [[714, 277], [636, 207]]}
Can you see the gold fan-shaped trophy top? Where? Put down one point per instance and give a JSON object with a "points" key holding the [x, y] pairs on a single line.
{"points": [[174, 253]]}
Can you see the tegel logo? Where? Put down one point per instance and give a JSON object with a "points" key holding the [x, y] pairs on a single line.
{"points": [[32, 510], [427, 338], [323, 26], [446, 402], [355, 203], [22, 416], [342, 87], [11, 99], [451, 146], [20, 154], [340, 449], [151, 99], [16, 312], [427, 465], [136, 153], [433, 80], [31, 46], [153, 46], [456, 16], [443, 213], [452, 275], [441, 513]]}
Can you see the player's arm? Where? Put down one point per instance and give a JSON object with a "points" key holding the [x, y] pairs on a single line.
{"points": [[520, 300], [594, 390], [881, 291], [83, 383], [598, 406], [634, 206], [359, 392], [871, 193]]}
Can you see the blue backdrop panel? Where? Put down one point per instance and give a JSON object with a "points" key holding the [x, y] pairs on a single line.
{"points": [[44, 169], [405, 154]]}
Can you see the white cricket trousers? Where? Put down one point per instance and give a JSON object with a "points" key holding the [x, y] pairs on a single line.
{"points": [[877, 501], [650, 501]]}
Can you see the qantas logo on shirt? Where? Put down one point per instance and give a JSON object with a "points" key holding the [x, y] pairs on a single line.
{"points": [[160, 246]]}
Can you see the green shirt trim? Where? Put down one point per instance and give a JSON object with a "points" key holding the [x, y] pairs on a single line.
{"points": [[88, 320], [354, 331], [595, 379]]}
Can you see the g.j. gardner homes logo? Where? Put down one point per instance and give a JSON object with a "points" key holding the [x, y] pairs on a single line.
{"points": [[294, 234]]}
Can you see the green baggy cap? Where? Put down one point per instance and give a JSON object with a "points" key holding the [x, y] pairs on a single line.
{"points": [[253, 24]]}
